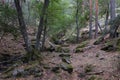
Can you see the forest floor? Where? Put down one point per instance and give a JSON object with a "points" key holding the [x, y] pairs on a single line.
{"points": [[91, 64]]}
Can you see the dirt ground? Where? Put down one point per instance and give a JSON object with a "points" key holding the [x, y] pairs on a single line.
{"points": [[103, 65]]}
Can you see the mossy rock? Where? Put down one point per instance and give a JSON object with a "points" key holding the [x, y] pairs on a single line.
{"points": [[108, 42], [54, 39], [64, 55], [38, 74], [58, 48], [82, 45], [78, 50], [118, 41], [46, 66], [56, 69], [5, 76], [72, 39], [88, 68], [118, 44], [67, 67], [33, 69], [94, 78], [108, 48], [16, 72], [98, 41], [66, 50], [65, 45], [31, 65], [66, 60]]}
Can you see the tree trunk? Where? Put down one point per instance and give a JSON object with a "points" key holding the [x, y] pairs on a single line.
{"points": [[22, 25], [90, 18], [100, 27], [41, 23], [77, 23], [3, 2], [106, 21], [112, 16], [112, 9], [96, 19], [44, 35], [28, 12]]}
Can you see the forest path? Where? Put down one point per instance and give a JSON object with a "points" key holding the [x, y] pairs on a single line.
{"points": [[102, 64]]}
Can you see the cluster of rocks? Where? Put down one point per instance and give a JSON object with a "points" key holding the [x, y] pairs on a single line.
{"points": [[65, 64]]}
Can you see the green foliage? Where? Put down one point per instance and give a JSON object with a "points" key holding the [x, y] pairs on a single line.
{"points": [[83, 13], [8, 20], [115, 22], [104, 6], [88, 68], [36, 8], [7, 12], [58, 17]]}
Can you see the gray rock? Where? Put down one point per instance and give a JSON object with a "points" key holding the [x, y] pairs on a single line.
{"points": [[66, 59], [67, 67], [65, 55]]}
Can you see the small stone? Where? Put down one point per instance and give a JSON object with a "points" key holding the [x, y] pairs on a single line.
{"points": [[38, 74], [81, 75], [66, 59], [66, 50], [98, 41], [56, 69], [18, 72], [64, 55], [46, 66], [101, 58], [67, 67], [97, 55], [78, 50]]}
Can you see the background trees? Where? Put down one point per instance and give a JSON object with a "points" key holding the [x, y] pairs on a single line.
{"points": [[56, 26]]}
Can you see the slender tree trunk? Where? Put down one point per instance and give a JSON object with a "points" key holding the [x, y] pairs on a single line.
{"points": [[22, 25], [41, 23], [112, 16], [96, 19], [28, 12], [112, 9], [90, 20], [44, 36], [77, 23], [100, 27], [106, 20]]}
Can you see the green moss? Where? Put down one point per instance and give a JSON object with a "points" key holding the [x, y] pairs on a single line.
{"points": [[66, 50], [88, 68], [82, 45], [58, 48], [67, 67], [66, 60], [98, 41], [64, 55], [94, 78], [56, 69], [78, 50], [118, 44], [109, 42]]}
